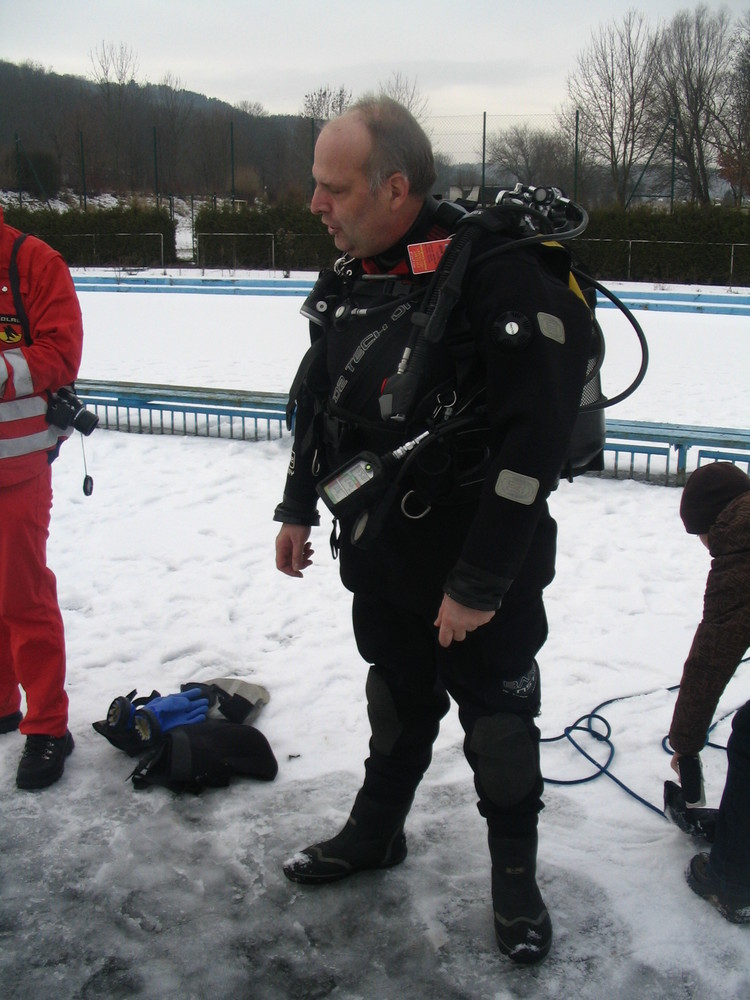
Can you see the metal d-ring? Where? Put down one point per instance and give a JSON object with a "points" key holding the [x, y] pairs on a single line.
{"points": [[413, 517]]}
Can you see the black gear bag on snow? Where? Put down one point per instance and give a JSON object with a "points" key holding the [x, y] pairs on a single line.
{"points": [[206, 755]]}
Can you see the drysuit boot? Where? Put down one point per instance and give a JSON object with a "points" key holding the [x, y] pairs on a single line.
{"points": [[523, 928], [373, 837]]}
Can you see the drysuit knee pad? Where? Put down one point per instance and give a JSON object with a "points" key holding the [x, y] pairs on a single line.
{"points": [[381, 710], [507, 755]]}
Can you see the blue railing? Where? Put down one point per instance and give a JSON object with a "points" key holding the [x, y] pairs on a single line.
{"points": [[725, 303], [250, 416], [168, 409], [195, 284]]}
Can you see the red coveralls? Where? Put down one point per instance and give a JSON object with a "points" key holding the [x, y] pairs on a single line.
{"points": [[32, 641]]}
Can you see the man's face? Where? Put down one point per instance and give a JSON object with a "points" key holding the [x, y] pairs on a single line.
{"points": [[361, 223]]}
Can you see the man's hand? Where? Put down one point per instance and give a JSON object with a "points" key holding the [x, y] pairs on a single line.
{"points": [[293, 550], [454, 620]]}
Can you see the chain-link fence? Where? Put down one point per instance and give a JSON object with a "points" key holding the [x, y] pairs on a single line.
{"points": [[240, 167], [476, 156]]}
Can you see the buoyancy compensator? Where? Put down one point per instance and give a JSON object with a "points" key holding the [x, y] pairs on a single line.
{"points": [[368, 483]]}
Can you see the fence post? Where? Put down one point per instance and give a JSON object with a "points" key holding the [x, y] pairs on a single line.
{"points": [[42, 191], [156, 171], [83, 172], [674, 159], [484, 155], [18, 170], [670, 121], [231, 157], [192, 227]]}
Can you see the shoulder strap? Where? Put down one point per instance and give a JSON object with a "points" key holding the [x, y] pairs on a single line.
{"points": [[15, 287]]}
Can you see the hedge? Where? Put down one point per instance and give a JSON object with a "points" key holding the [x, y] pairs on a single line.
{"points": [[284, 236], [708, 246], [114, 237], [688, 246]]}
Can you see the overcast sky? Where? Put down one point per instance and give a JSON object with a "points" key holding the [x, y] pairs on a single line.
{"points": [[466, 56]]}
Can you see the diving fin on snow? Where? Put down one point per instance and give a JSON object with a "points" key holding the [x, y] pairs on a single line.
{"points": [[696, 822]]}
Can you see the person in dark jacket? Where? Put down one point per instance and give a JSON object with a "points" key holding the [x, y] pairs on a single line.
{"points": [[448, 566], [41, 336], [715, 506]]}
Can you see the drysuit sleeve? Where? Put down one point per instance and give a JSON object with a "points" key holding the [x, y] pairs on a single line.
{"points": [[300, 501], [533, 338]]}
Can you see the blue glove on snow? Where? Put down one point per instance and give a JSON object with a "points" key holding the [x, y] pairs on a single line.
{"points": [[162, 714]]}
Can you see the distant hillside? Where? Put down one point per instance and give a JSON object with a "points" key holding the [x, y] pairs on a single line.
{"points": [[144, 137]]}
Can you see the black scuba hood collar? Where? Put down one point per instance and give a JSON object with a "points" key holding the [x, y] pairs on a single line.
{"points": [[417, 233]]}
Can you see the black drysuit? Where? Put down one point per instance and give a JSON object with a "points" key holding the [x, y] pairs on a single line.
{"points": [[470, 516]]}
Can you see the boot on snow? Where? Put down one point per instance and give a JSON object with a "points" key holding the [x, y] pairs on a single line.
{"points": [[732, 902], [373, 837], [523, 929]]}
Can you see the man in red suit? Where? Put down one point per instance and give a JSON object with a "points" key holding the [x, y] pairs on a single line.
{"points": [[41, 336]]}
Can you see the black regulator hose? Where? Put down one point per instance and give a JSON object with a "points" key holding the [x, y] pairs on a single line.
{"points": [[608, 401]]}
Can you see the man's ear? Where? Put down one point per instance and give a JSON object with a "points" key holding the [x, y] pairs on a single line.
{"points": [[398, 190]]}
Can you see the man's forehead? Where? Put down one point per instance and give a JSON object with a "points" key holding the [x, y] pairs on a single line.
{"points": [[343, 148]]}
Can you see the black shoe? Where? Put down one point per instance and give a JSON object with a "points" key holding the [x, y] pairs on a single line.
{"points": [[372, 838], [732, 904], [9, 723], [523, 929], [43, 760]]}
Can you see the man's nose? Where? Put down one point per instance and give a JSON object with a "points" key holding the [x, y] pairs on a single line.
{"points": [[317, 202]]}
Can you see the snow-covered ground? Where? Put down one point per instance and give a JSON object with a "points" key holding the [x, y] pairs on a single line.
{"points": [[166, 574]]}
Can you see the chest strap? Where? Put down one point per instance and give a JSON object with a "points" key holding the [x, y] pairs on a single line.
{"points": [[15, 287]]}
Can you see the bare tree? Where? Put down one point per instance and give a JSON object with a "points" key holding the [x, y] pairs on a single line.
{"points": [[114, 64], [114, 69], [613, 90], [531, 156], [694, 62], [325, 103], [585, 179], [253, 108], [406, 92], [733, 125], [173, 112]]}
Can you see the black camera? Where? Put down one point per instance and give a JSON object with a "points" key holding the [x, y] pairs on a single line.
{"points": [[65, 410]]}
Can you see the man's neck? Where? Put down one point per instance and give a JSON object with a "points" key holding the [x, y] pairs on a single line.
{"points": [[395, 258]]}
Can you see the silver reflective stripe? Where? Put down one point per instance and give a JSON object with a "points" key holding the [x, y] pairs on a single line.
{"points": [[20, 409], [21, 375], [32, 442]]}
